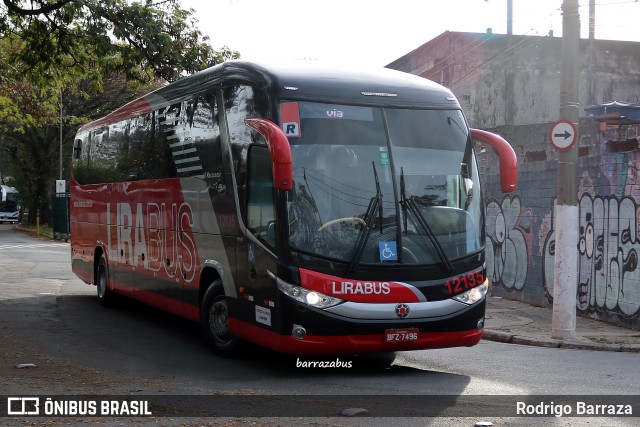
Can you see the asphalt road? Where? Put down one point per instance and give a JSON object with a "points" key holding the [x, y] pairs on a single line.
{"points": [[52, 320]]}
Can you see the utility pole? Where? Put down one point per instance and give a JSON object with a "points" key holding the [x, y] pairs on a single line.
{"points": [[592, 19], [563, 323], [509, 17], [61, 133], [509, 107]]}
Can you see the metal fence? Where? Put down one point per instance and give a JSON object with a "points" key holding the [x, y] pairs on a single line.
{"points": [[60, 213]]}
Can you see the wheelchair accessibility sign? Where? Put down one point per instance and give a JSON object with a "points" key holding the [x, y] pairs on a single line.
{"points": [[388, 251]]}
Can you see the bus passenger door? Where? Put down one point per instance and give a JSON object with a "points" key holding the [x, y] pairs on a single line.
{"points": [[256, 250]]}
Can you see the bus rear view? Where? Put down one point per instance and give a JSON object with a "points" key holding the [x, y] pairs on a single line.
{"points": [[311, 211]]}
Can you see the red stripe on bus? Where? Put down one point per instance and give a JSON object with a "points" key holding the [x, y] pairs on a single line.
{"points": [[132, 109], [171, 305], [131, 219], [85, 276], [357, 290], [350, 344]]}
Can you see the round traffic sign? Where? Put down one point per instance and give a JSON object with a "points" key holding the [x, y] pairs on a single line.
{"points": [[563, 135]]}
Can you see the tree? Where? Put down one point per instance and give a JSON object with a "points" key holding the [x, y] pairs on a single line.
{"points": [[142, 40], [98, 55], [33, 148]]}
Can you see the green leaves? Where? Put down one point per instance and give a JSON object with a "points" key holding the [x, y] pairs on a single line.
{"points": [[141, 40], [99, 54]]}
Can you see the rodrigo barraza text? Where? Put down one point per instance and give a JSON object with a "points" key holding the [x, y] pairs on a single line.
{"points": [[579, 408]]}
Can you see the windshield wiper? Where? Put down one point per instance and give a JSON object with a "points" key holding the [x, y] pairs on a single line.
{"points": [[409, 204], [403, 197], [375, 204], [378, 195]]}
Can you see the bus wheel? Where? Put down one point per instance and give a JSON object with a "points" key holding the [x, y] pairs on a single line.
{"points": [[214, 319], [375, 360], [105, 296]]}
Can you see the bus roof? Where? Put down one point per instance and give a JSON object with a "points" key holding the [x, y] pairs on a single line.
{"points": [[297, 81]]}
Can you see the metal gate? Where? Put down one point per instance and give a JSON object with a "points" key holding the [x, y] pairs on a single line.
{"points": [[60, 213]]}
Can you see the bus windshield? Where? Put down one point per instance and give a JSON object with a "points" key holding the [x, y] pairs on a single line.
{"points": [[383, 185], [9, 202]]}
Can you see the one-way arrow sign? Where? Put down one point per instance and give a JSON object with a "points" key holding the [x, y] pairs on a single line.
{"points": [[563, 135]]}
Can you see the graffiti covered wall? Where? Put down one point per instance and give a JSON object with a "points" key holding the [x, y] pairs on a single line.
{"points": [[520, 243]]}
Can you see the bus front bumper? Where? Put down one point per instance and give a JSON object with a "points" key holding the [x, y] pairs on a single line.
{"points": [[326, 333]]}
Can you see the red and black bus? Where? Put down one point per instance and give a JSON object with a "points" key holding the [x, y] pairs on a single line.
{"points": [[308, 210]]}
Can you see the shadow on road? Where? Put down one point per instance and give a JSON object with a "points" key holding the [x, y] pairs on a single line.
{"points": [[144, 332], [81, 347], [133, 347]]}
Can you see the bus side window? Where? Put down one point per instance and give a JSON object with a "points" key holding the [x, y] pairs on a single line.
{"points": [[201, 153], [260, 203], [96, 162], [242, 102], [77, 148], [140, 157]]}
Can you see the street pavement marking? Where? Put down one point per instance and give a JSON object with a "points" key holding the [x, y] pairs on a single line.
{"points": [[33, 246]]}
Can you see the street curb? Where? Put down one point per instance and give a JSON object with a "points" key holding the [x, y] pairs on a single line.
{"points": [[33, 233], [507, 338]]}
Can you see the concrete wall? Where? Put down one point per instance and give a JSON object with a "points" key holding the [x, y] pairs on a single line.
{"points": [[520, 226], [515, 80]]}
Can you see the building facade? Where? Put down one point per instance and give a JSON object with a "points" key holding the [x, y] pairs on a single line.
{"points": [[515, 80], [510, 85]]}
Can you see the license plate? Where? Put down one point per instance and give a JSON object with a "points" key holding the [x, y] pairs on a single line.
{"points": [[399, 335]]}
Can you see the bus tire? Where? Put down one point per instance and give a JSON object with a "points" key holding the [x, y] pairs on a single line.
{"points": [[214, 320], [105, 296], [382, 360]]}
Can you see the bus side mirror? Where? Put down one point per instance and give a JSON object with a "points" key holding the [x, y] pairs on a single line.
{"points": [[77, 148], [279, 151], [506, 155]]}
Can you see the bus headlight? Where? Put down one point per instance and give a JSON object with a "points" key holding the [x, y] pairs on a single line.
{"points": [[473, 295], [307, 296]]}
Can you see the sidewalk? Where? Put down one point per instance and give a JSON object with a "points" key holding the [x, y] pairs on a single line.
{"points": [[520, 323]]}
